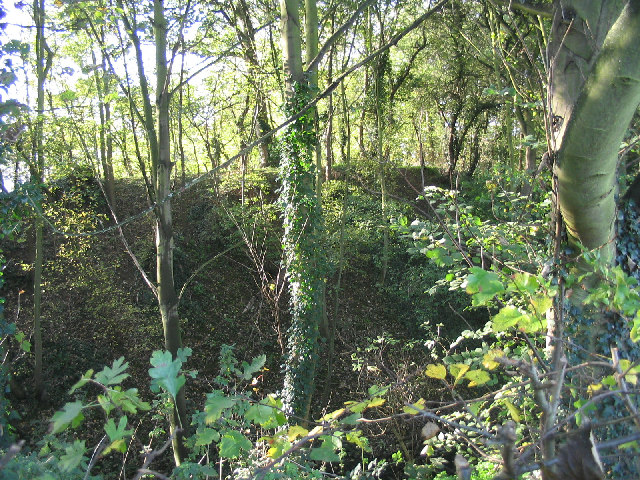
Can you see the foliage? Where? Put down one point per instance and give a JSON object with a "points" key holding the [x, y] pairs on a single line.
{"points": [[250, 433], [303, 252]]}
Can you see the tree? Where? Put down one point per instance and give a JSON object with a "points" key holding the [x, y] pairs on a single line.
{"points": [[44, 59], [302, 223]]}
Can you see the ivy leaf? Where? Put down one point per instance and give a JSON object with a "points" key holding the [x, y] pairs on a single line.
{"points": [[477, 377], [233, 443], [113, 375], [436, 371], [73, 456], [483, 285], [71, 413]]}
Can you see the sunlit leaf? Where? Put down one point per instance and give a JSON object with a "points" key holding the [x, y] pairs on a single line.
{"points": [[436, 371]]}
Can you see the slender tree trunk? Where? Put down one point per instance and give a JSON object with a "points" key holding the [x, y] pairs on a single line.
{"points": [[44, 59], [302, 227], [167, 297]]}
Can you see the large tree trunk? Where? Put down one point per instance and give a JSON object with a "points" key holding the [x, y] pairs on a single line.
{"points": [[591, 129]]}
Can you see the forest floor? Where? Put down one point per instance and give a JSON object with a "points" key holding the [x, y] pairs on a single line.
{"points": [[97, 308]]}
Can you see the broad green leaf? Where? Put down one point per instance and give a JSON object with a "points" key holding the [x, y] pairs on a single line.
{"points": [[376, 402], [263, 415], [541, 304], [507, 317], [278, 448], [206, 436], [233, 443], [71, 414], [128, 400], [524, 283], [326, 451], [356, 437], [113, 375], [477, 377], [215, 404], [351, 419], [73, 456], [483, 285], [165, 372], [436, 371], [256, 366], [117, 435]]}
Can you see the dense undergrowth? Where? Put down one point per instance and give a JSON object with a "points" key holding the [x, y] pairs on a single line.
{"points": [[449, 336], [99, 309]]}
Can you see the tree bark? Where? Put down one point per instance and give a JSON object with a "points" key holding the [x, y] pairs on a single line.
{"points": [[167, 297], [587, 158]]}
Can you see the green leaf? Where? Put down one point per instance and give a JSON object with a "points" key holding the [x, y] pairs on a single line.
{"points": [[80, 383], [117, 435], [541, 304], [73, 456], [296, 431], [326, 451], [113, 375], [165, 372], [509, 316], [483, 285], [524, 283], [356, 437], [256, 366], [233, 443], [415, 408], [477, 377], [71, 414], [206, 436], [216, 403], [458, 370], [267, 413], [436, 371], [513, 410]]}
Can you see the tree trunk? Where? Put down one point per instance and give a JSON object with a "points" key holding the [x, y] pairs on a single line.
{"points": [[44, 58], [167, 297], [302, 227], [588, 154]]}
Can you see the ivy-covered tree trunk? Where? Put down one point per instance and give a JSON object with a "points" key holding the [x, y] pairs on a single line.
{"points": [[302, 220]]}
